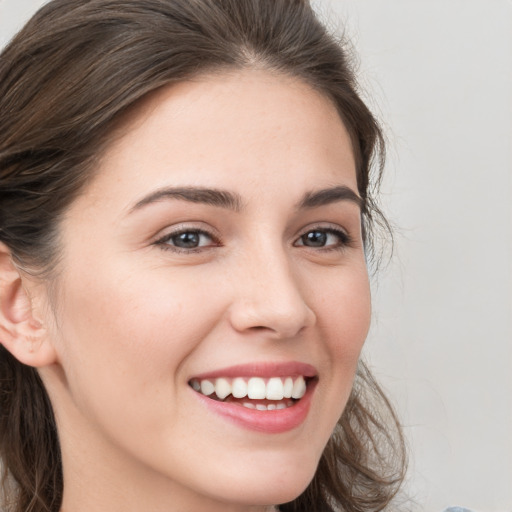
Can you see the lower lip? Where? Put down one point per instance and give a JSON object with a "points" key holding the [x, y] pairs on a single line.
{"points": [[270, 422]]}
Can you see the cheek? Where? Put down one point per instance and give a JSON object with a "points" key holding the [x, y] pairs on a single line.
{"points": [[124, 331], [344, 313], [343, 316]]}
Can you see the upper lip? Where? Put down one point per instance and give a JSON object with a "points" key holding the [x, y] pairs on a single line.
{"points": [[267, 369]]}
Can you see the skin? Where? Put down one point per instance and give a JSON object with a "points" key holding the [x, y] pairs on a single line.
{"points": [[131, 322]]}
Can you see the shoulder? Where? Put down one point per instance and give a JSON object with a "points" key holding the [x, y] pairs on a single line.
{"points": [[457, 509]]}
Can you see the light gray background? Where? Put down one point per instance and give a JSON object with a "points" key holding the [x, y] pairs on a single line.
{"points": [[439, 74]]}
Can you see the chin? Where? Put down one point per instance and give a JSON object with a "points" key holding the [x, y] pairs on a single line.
{"points": [[276, 493], [279, 482]]}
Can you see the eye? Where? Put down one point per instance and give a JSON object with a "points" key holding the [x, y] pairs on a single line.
{"points": [[327, 238], [186, 240]]}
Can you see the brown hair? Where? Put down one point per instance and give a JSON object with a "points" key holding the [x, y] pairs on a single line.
{"points": [[65, 80]]}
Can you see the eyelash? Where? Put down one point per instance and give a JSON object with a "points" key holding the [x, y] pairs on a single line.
{"points": [[345, 240], [163, 242]]}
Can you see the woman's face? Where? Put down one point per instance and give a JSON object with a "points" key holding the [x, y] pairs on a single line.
{"points": [[219, 244]]}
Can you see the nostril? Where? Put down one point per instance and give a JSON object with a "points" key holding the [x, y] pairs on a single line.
{"points": [[279, 313]]}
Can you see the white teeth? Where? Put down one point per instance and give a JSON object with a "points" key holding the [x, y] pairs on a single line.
{"points": [[288, 387], [256, 388], [299, 388], [239, 388], [269, 407], [207, 387], [275, 389], [222, 388]]}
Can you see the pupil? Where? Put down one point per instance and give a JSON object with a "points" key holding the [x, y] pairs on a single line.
{"points": [[315, 238], [186, 240]]}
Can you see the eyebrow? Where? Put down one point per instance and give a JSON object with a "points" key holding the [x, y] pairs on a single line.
{"points": [[210, 196], [232, 201], [327, 196]]}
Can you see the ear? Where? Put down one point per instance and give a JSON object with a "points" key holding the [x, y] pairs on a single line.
{"points": [[22, 333]]}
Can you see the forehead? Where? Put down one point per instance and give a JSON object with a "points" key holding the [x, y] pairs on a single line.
{"points": [[241, 129]]}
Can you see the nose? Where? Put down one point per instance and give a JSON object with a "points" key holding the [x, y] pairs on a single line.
{"points": [[269, 298]]}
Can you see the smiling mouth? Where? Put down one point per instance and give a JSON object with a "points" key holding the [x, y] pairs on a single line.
{"points": [[264, 394]]}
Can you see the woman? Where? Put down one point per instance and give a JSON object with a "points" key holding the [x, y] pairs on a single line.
{"points": [[186, 220]]}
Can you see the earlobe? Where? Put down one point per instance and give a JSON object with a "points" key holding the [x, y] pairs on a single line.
{"points": [[21, 332]]}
